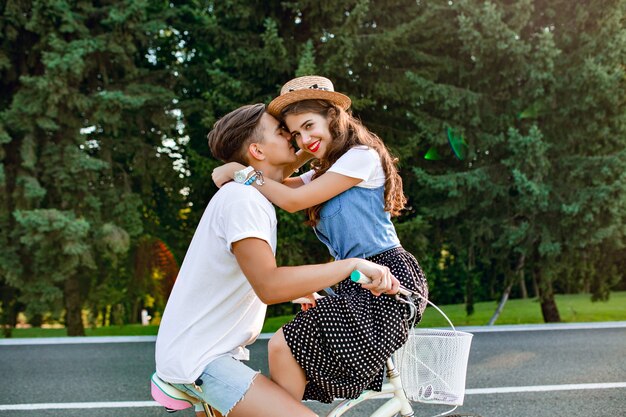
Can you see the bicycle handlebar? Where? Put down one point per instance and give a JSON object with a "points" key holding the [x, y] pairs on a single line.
{"points": [[360, 278]]}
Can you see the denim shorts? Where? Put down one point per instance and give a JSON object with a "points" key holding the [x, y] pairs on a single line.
{"points": [[225, 381]]}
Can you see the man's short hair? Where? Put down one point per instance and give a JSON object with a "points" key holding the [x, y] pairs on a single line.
{"points": [[232, 134]]}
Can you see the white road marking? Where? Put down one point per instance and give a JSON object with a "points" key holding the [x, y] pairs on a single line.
{"points": [[75, 340], [66, 406], [470, 391], [544, 388]]}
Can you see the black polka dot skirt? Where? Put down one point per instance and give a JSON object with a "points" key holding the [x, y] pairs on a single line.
{"points": [[343, 343]]}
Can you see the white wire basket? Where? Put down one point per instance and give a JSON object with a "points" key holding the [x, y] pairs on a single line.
{"points": [[433, 364]]}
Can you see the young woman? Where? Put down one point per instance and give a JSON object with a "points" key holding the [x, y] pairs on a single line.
{"points": [[339, 348]]}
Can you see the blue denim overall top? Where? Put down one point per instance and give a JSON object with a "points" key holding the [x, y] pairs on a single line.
{"points": [[354, 224]]}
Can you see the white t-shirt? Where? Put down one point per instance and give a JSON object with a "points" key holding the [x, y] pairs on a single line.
{"points": [[213, 310], [359, 162]]}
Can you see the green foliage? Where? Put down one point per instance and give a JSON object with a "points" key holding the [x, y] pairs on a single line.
{"points": [[577, 308], [82, 119], [306, 65], [105, 108]]}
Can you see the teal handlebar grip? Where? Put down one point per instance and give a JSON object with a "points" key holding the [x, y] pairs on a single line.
{"points": [[360, 278]]}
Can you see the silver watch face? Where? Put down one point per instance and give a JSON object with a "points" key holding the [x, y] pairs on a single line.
{"points": [[240, 177]]}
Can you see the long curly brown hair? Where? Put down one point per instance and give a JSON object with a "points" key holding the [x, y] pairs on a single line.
{"points": [[348, 132]]}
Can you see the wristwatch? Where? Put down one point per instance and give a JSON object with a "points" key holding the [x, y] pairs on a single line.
{"points": [[242, 175]]}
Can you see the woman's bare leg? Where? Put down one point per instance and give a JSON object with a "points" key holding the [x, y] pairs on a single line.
{"points": [[267, 399], [284, 369]]}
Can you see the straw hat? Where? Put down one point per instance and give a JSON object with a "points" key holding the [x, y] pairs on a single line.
{"points": [[306, 88]]}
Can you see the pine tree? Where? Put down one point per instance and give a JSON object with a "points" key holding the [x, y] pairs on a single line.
{"points": [[82, 117], [583, 117], [545, 150], [492, 77], [543, 176]]}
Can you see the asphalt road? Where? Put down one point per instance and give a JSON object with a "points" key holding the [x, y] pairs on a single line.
{"points": [[521, 373]]}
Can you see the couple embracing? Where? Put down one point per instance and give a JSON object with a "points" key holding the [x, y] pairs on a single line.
{"points": [[337, 346]]}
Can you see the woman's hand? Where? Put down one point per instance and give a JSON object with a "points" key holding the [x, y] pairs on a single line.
{"points": [[308, 301], [383, 282], [225, 173]]}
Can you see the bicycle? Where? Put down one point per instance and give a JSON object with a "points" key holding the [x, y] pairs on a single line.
{"points": [[398, 405]]}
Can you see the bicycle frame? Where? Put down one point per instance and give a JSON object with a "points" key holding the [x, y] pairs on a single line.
{"points": [[398, 403]]}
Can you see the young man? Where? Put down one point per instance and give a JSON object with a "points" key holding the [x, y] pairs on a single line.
{"points": [[229, 274]]}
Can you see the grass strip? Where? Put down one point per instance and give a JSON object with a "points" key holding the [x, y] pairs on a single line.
{"points": [[574, 308]]}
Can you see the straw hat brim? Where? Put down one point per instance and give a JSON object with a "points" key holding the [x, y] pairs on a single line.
{"points": [[279, 103]]}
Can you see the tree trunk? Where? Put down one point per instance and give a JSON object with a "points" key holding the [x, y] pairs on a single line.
{"points": [[503, 300], [73, 308], [535, 285], [469, 295], [8, 316], [469, 284], [518, 274], [36, 320], [135, 311], [522, 285], [549, 310]]}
